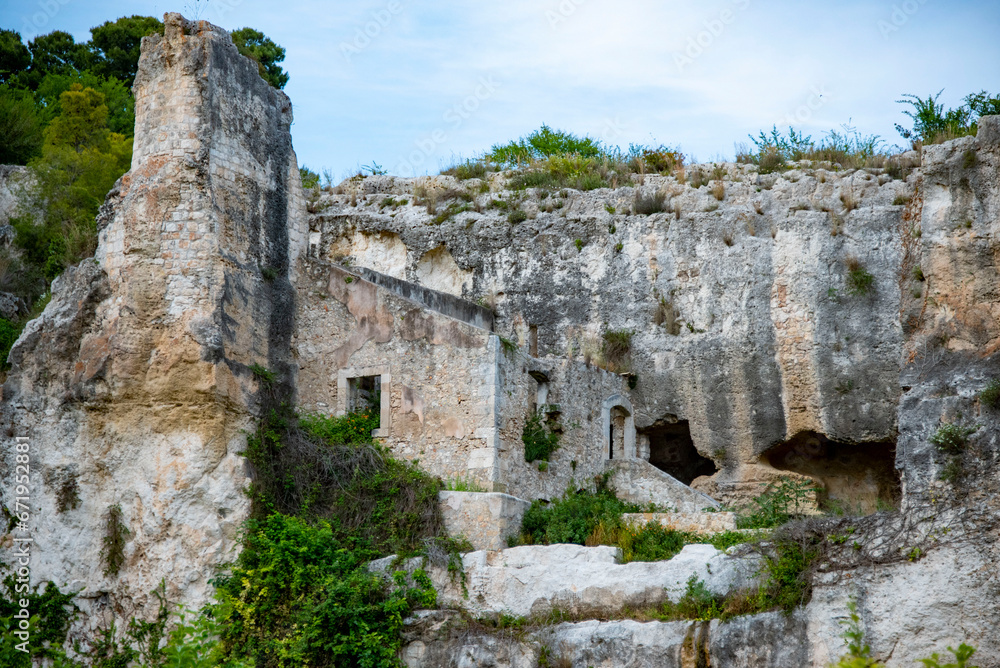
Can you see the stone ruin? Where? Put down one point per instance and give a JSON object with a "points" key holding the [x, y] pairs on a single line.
{"points": [[747, 359]]}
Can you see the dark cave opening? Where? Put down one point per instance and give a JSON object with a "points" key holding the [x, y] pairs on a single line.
{"points": [[858, 478], [671, 449]]}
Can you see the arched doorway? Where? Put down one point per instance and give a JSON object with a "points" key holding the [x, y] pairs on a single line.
{"points": [[619, 428]]}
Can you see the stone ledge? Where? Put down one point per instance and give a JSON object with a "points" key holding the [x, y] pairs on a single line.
{"points": [[688, 522]]}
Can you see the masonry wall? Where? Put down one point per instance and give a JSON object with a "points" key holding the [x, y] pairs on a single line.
{"points": [[438, 373]]}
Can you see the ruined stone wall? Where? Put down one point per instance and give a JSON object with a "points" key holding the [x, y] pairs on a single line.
{"points": [[743, 321], [133, 388], [438, 373]]}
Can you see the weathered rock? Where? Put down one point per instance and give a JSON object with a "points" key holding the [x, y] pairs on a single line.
{"points": [[133, 388], [538, 579], [688, 522]]}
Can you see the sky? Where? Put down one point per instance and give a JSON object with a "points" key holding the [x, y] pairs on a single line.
{"points": [[412, 87]]}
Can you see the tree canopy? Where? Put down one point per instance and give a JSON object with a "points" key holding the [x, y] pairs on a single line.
{"points": [[257, 46]]}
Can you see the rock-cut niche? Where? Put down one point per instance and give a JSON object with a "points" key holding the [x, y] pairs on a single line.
{"points": [[857, 478], [671, 449]]}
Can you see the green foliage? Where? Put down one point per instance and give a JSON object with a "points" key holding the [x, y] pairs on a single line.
{"points": [[310, 179], [20, 127], [846, 147], [469, 169], [933, 124], [540, 144], [573, 517], [962, 656], [265, 377], [115, 46], [351, 428], [777, 504], [81, 160], [579, 243], [117, 98], [54, 53], [951, 438], [697, 602], [299, 595], [258, 47], [14, 55], [788, 578], [858, 652], [990, 396], [113, 543], [8, 335], [859, 281], [461, 484], [540, 441], [51, 612]]}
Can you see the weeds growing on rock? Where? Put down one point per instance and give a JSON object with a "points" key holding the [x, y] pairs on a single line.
{"points": [[859, 281], [115, 534], [990, 396]]}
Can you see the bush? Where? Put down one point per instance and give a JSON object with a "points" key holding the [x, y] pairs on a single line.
{"points": [[538, 438], [310, 179], [20, 126], [298, 595], [470, 169], [573, 517], [617, 349], [932, 124], [952, 438], [859, 281], [540, 144], [8, 335], [990, 396], [776, 505], [646, 205], [697, 603]]}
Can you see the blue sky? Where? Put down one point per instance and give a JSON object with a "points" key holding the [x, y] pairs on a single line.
{"points": [[413, 86]]}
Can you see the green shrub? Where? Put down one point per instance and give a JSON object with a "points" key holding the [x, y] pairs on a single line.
{"points": [[990, 396], [962, 656], [951, 438], [298, 595], [51, 614], [8, 335], [776, 505], [858, 652], [697, 602], [859, 281], [933, 124], [573, 517], [538, 438], [310, 179], [20, 126], [541, 144], [470, 169]]}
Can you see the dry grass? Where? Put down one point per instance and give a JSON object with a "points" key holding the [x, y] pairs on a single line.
{"points": [[719, 190]]}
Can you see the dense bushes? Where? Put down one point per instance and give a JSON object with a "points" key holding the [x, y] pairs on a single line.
{"points": [[540, 441], [301, 595]]}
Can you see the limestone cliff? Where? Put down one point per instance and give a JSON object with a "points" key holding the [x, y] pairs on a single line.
{"points": [[133, 387]]}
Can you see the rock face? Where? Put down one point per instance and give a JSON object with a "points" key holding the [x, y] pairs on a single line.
{"points": [[924, 578], [535, 580], [814, 323], [133, 388]]}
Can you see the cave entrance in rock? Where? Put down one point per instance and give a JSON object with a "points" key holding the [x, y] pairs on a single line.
{"points": [[671, 449], [857, 478]]}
